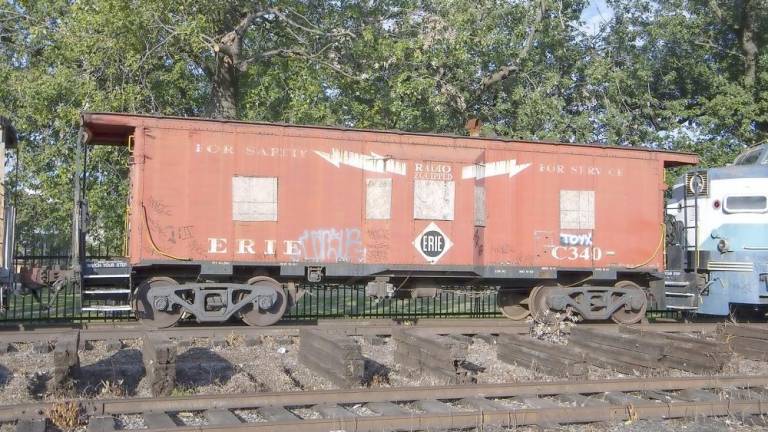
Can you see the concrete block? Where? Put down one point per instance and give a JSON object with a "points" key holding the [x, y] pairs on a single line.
{"points": [[222, 417], [113, 344], [252, 341], [375, 340], [218, 342], [41, 347], [101, 424], [30, 426]]}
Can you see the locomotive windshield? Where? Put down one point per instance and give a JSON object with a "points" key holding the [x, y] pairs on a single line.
{"points": [[752, 157]]}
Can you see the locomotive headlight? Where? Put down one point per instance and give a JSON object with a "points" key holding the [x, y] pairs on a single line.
{"points": [[723, 246]]}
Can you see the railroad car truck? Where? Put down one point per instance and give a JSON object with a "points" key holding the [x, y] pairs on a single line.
{"points": [[717, 231], [229, 219]]}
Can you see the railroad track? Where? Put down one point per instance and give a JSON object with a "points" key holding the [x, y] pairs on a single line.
{"points": [[350, 327], [546, 404]]}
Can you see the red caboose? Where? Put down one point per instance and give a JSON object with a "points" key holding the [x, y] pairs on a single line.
{"points": [[227, 217]]}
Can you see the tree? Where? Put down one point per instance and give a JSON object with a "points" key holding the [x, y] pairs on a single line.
{"points": [[688, 75]]}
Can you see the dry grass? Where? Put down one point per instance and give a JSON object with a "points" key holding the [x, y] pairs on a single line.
{"points": [[235, 340], [112, 388], [379, 380], [65, 415], [554, 327]]}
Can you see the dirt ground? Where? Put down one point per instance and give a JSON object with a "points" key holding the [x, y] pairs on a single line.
{"points": [[272, 365]]}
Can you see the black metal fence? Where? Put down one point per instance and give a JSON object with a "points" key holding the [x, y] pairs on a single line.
{"points": [[47, 304], [351, 302], [64, 305]]}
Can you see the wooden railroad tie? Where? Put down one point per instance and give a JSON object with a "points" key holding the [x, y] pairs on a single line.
{"points": [[336, 358], [419, 353], [750, 342], [634, 350], [159, 354], [549, 359], [66, 363]]}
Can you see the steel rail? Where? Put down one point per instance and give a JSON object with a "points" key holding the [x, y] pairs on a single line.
{"points": [[393, 394], [350, 327], [500, 418]]}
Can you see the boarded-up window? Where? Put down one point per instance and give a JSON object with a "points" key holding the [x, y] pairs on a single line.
{"points": [[433, 199], [254, 199], [479, 205], [577, 209], [378, 198]]}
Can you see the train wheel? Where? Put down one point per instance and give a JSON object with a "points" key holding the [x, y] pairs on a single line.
{"points": [[637, 306], [146, 312], [513, 305], [537, 304], [254, 315]]}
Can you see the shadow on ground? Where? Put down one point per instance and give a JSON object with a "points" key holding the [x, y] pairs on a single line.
{"points": [[198, 367], [119, 373]]}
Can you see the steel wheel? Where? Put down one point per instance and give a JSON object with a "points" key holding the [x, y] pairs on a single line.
{"points": [[624, 316], [144, 310], [513, 305], [537, 303], [258, 317]]}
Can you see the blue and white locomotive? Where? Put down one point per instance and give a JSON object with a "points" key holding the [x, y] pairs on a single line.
{"points": [[717, 240]]}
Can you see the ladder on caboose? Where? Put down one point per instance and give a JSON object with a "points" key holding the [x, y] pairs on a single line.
{"points": [[106, 286]]}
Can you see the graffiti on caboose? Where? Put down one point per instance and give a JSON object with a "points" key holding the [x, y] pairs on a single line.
{"points": [[491, 169], [329, 245], [372, 162], [570, 239]]}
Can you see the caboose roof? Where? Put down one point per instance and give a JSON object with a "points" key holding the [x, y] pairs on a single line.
{"points": [[114, 129]]}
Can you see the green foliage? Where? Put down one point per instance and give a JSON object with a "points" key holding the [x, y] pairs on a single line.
{"points": [[671, 75]]}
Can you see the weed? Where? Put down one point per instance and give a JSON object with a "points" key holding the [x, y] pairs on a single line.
{"points": [[181, 391], [378, 380], [112, 388], [234, 339], [65, 415]]}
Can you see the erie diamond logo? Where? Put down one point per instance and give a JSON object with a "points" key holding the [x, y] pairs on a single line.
{"points": [[432, 243]]}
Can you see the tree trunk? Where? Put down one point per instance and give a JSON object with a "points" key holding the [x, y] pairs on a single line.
{"points": [[223, 104], [748, 44]]}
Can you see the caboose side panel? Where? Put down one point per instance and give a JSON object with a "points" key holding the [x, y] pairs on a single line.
{"points": [[573, 210], [283, 198]]}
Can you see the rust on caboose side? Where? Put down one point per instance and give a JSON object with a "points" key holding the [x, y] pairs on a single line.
{"points": [[362, 202]]}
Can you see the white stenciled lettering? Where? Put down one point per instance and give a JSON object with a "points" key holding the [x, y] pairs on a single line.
{"points": [[250, 150], [269, 247], [292, 247], [217, 245], [580, 170], [433, 171], [245, 246], [573, 253]]}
